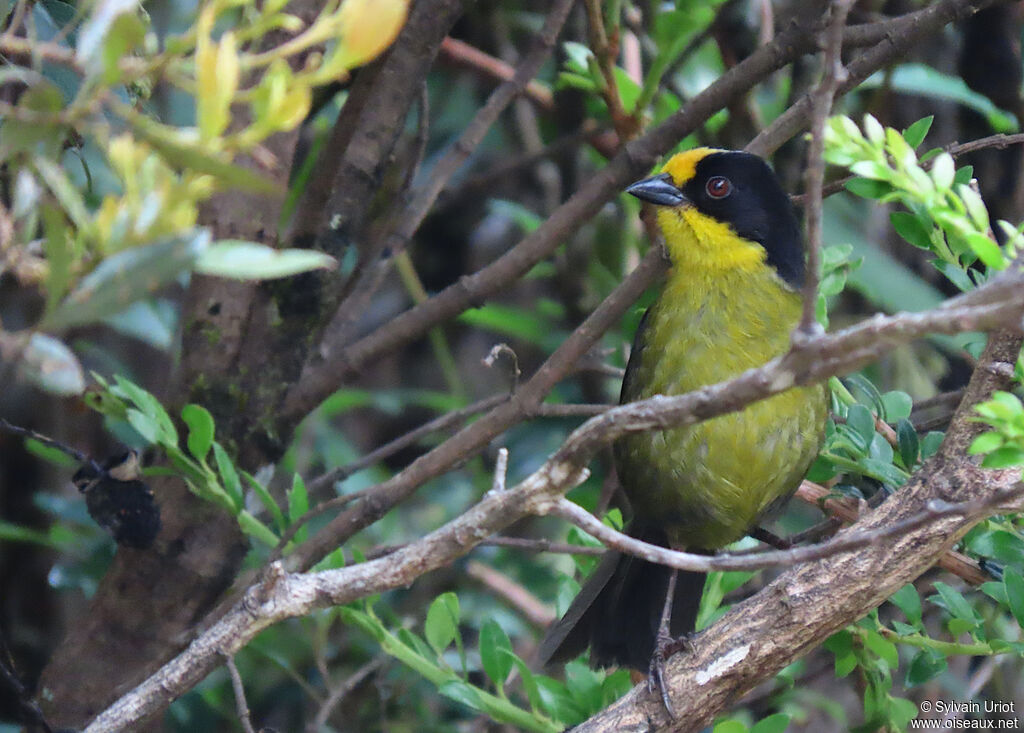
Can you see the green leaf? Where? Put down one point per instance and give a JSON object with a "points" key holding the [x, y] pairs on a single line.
{"points": [[987, 250], [200, 430], [882, 647], [267, 500], [930, 444], [58, 254], [928, 82], [188, 154], [916, 133], [462, 692], [776, 723], [862, 422], [1000, 545], [144, 425], [529, 680], [239, 260], [954, 602], [228, 475], [730, 726], [126, 277], [65, 191], [256, 529], [495, 649], [908, 600], [298, 501], [908, 443], [897, 405], [912, 229], [1007, 456], [442, 624], [985, 443], [1014, 582], [93, 31], [867, 188]]}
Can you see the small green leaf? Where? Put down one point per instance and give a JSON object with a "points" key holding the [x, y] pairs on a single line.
{"points": [[985, 443], [1014, 582], [954, 602], [298, 499], [256, 529], [240, 260], [912, 229], [916, 133], [1007, 456], [930, 444], [93, 31], [987, 250], [126, 277], [228, 475], [882, 647], [267, 500], [144, 425], [908, 443], [462, 692], [867, 188], [862, 422], [776, 723], [200, 430], [908, 600], [897, 405], [442, 623], [730, 726], [495, 649]]}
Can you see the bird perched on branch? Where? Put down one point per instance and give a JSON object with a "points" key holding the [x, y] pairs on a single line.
{"points": [[730, 302]]}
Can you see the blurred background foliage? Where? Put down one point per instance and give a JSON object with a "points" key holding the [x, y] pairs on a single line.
{"points": [[120, 167]]}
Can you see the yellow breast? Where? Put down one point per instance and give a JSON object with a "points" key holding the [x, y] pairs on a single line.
{"points": [[723, 310]]}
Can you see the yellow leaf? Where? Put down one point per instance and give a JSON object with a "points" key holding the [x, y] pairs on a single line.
{"points": [[369, 27]]}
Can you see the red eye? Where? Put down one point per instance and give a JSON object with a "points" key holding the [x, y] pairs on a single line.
{"points": [[718, 187]]}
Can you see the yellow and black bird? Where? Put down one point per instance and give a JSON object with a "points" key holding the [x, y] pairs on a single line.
{"points": [[730, 302]]}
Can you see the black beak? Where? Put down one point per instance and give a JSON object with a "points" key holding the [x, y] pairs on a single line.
{"points": [[658, 190]]}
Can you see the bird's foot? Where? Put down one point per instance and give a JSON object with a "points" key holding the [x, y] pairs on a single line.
{"points": [[664, 648]]}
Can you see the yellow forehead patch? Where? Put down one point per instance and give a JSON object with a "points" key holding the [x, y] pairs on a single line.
{"points": [[682, 166]]}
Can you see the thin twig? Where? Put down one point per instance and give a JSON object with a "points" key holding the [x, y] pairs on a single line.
{"points": [[833, 74], [340, 692], [532, 608], [241, 705], [999, 502], [541, 545], [50, 442], [463, 54], [442, 422]]}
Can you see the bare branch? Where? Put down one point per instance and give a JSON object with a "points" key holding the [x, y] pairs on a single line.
{"points": [[833, 74], [536, 611], [241, 705]]}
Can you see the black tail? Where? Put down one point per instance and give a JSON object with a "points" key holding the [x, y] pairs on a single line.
{"points": [[618, 610]]}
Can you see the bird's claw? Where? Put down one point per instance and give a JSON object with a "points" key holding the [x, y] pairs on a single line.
{"points": [[664, 648]]}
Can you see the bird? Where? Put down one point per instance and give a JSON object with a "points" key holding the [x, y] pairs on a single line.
{"points": [[729, 303]]}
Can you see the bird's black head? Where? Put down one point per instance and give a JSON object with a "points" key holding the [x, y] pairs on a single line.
{"points": [[738, 189]]}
